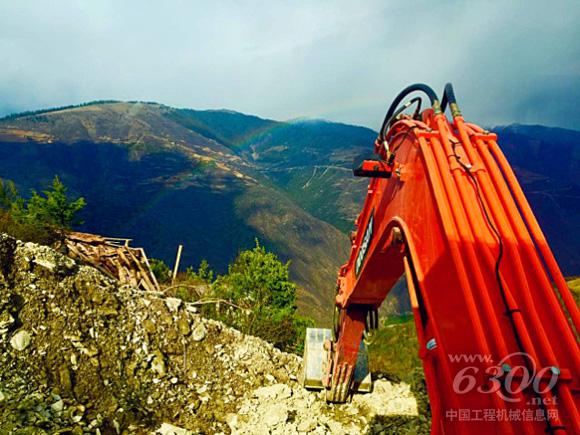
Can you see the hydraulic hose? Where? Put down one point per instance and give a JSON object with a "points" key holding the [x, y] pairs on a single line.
{"points": [[449, 97], [409, 89]]}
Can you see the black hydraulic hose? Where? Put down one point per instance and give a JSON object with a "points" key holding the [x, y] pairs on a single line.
{"points": [[416, 100], [449, 97], [412, 88]]}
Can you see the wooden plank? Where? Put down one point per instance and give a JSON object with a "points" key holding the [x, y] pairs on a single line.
{"points": [[144, 274], [177, 260], [154, 278], [114, 257]]}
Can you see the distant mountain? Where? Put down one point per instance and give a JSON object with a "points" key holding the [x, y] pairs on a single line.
{"points": [[215, 180], [312, 161], [546, 161], [146, 176]]}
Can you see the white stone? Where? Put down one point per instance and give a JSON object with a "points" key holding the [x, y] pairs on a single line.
{"points": [[173, 303], [198, 333], [169, 429], [275, 414], [191, 308], [57, 406], [45, 263], [232, 421], [276, 391], [21, 340], [387, 399], [158, 365], [306, 425], [202, 389]]}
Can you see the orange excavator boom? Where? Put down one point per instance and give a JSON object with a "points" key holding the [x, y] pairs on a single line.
{"points": [[496, 323]]}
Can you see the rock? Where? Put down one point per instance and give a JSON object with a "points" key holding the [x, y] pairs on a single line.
{"points": [[277, 391], [171, 335], [191, 308], [387, 399], [154, 353], [275, 414], [173, 304], [183, 325], [199, 332], [158, 363], [169, 429], [202, 389], [47, 264], [5, 321], [306, 425], [336, 428], [149, 326], [232, 421], [21, 340], [90, 351], [57, 406]]}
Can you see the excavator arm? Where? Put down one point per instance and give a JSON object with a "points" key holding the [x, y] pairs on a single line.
{"points": [[496, 323]]}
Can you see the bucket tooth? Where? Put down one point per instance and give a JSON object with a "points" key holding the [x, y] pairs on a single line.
{"points": [[316, 358]]}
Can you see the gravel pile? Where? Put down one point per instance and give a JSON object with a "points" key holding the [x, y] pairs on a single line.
{"points": [[81, 354], [281, 409]]}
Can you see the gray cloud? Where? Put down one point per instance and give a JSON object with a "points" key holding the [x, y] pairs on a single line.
{"points": [[516, 61]]}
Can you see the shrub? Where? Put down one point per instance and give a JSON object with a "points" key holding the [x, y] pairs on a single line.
{"points": [[8, 194], [26, 231], [204, 274], [160, 270], [42, 219], [263, 298]]}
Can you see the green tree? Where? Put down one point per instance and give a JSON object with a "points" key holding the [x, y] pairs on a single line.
{"points": [[8, 194], [55, 208], [259, 286], [14, 219]]}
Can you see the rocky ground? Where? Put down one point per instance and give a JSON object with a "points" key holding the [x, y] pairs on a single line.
{"points": [[81, 354]]}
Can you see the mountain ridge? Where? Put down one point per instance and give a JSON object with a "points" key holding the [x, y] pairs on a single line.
{"points": [[217, 179], [134, 174]]}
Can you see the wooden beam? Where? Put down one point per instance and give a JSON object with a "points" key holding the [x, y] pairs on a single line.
{"points": [[177, 260]]}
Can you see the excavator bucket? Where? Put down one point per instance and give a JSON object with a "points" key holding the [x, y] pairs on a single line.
{"points": [[316, 359]]}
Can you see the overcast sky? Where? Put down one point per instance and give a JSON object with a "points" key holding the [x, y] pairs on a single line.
{"points": [[510, 61]]}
